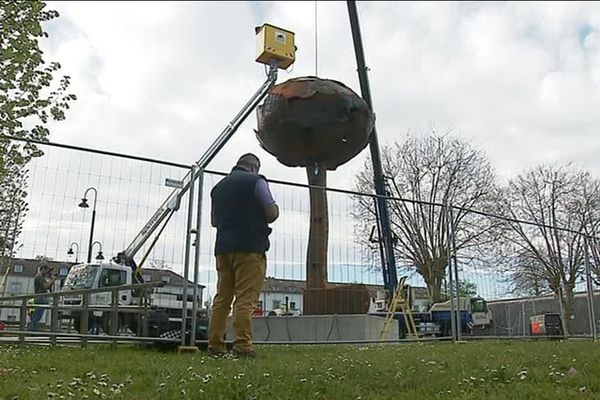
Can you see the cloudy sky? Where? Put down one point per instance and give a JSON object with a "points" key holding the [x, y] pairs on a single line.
{"points": [[161, 80]]}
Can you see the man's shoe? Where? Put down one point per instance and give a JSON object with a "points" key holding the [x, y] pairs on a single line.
{"points": [[216, 354], [243, 354]]}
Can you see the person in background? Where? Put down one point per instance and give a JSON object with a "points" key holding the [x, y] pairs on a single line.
{"points": [[242, 209], [42, 283]]}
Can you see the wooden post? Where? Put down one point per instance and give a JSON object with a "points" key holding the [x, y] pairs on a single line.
{"points": [[54, 319], [85, 317], [316, 258], [23, 320]]}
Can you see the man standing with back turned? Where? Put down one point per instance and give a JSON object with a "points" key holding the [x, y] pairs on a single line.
{"points": [[242, 208]]}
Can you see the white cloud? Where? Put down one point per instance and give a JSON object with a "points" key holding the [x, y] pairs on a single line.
{"points": [[162, 79]]}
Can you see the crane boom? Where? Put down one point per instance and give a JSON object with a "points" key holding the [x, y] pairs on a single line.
{"points": [[171, 204], [388, 262]]}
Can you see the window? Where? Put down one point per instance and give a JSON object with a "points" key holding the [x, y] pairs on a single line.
{"points": [[292, 305], [18, 268], [82, 277], [478, 305], [146, 278], [190, 298], [63, 271], [165, 279], [276, 304], [112, 277], [15, 288]]}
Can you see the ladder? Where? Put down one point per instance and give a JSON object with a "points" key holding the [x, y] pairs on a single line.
{"points": [[3, 282], [398, 300]]}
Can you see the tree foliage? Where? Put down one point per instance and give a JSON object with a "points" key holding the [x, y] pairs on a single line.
{"points": [[14, 208], [425, 170], [30, 100]]}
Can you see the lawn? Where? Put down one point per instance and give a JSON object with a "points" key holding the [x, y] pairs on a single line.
{"points": [[475, 370]]}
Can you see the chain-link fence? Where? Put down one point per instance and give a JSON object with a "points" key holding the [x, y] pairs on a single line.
{"points": [[443, 251]]}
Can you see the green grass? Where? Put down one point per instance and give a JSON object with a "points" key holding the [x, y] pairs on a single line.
{"points": [[475, 370]]}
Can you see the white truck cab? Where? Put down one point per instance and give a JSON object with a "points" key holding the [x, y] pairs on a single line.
{"points": [[92, 276]]}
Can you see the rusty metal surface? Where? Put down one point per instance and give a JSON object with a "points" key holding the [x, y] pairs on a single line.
{"points": [[307, 121]]}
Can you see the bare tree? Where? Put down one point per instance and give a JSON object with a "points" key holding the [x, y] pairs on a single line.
{"points": [[524, 275], [594, 257], [426, 170], [593, 231], [562, 201]]}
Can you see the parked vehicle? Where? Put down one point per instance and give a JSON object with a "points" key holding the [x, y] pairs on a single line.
{"points": [[436, 319]]}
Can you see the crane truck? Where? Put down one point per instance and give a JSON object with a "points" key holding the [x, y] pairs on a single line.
{"points": [[277, 50], [435, 319]]}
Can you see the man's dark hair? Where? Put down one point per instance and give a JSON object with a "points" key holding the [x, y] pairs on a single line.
{"points": [[248, 160]]}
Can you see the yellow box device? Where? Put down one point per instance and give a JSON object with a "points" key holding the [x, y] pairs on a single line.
{"points": [[275, 46]]}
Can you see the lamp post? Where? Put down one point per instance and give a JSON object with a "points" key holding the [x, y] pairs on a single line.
{"points": [[70, 252], [99, 256], [84, 204]]}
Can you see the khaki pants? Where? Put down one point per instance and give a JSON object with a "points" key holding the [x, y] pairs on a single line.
{"points": [[240, 275]]}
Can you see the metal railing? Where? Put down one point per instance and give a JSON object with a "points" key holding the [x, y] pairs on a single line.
{"points": [[113, 311]]}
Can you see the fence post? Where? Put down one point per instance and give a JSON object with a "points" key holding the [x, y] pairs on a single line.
{"points": [[450, 278], [54, 319], [456, 281], [197, 257], [23, 320], [187, 256], [523, 318], [145, 317], [114, 315], [590, 288], [85, 301]]}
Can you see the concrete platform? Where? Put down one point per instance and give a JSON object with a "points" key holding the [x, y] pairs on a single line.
{"points": [[317, 328]]}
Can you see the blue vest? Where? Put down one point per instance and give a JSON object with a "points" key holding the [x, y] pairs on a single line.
{"points": [[240, 218]]}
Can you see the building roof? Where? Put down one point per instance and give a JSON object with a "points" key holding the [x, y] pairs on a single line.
{"points": [[158, 274], [31, 266], [546, 296], [273, 285]]}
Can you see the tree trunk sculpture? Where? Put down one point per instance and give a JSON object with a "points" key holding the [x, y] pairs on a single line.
{"points": [[319, 124], [316, 257]]}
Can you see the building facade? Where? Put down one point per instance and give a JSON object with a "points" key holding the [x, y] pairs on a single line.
{"points": [[286, 295], [17, 279]]}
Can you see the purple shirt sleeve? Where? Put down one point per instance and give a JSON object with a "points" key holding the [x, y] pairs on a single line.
{"points": [[262, 193]]}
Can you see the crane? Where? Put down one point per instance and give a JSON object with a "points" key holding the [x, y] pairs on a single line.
{"points": [[276, 49]]}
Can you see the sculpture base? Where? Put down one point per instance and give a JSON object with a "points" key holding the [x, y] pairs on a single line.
{"points": [[347, 299], [317, 328]]}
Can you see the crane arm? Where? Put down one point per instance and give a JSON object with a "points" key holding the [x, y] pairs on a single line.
{"points": [[171, 204]]}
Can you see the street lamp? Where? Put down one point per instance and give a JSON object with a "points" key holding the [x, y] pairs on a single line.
{"points": [[70, 252], [84, 204], [99, 257]]}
